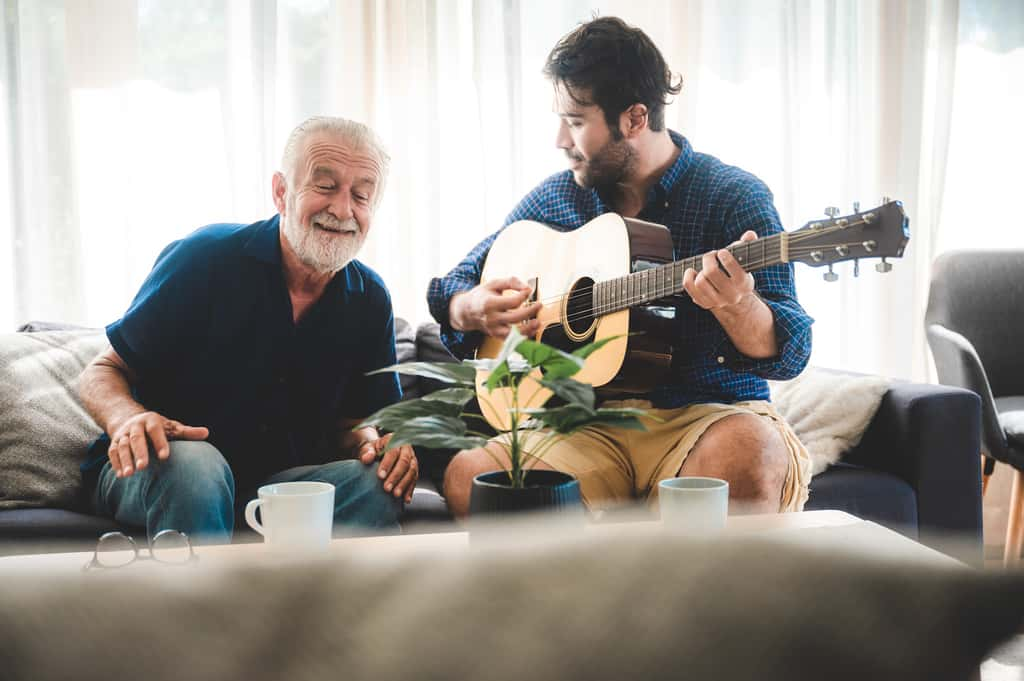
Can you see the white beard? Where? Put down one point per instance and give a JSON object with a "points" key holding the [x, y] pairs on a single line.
{"points": [[324, 251]]}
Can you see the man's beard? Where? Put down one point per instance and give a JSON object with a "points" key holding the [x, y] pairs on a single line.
{"points": [[607, 168], [324, 251]]}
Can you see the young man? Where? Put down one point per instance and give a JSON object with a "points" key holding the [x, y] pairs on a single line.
{"points": [[735, 330], [242, 359]]}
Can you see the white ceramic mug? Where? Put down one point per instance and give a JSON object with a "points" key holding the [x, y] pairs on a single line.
{"points": [[295, 515], [694, 505]]}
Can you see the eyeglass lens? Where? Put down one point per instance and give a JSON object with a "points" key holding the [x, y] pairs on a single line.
{"points": [[171, 546], [115, 549]]}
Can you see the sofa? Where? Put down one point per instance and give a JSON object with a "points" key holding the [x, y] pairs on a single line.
{"points": [[915, 469]]}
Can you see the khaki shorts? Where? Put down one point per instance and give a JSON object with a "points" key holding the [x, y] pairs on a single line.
{"points": [[614, 465]]}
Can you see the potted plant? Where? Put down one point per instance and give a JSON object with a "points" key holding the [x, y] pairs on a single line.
{"points": [[440, 419]]}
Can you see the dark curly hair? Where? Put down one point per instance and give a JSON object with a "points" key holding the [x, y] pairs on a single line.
{"points": [[611, 64]]}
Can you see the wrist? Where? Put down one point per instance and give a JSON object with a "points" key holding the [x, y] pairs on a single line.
{"points": [[457, 316]]}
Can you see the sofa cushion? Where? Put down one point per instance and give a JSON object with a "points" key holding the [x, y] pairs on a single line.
{"points": [[828, 410], [44, 431], [405, 350], [869, 494]]}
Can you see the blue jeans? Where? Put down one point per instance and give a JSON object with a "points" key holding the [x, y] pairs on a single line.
{"points": [[193, 490]]}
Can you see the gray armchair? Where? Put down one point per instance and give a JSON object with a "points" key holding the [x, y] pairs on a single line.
{"points": [[974, 321]]}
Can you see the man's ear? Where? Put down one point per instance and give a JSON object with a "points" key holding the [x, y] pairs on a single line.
{"points": [[279, 187], [633, 120]]}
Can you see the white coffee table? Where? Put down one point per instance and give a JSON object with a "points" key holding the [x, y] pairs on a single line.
{"points": [[839, 530]]}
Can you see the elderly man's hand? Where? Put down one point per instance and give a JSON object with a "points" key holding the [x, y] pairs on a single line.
{"points": [[398, 467], [130, 441]]}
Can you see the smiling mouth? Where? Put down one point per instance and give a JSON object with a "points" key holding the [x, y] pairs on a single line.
{"points": [[334, 230]]}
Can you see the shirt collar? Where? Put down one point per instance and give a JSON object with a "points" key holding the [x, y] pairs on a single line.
{"points": [[682, 163], [265, 245]]}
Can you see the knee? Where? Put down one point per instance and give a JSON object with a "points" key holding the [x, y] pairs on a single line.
{"points": [[752, 452], [358, 484], [196, 470], [465, 466]]}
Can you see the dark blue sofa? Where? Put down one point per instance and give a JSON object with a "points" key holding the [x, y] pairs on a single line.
{"points": [[916, 470]]}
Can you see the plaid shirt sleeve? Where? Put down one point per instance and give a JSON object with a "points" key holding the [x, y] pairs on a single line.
{"points": [[466, 275], [755, 210]]}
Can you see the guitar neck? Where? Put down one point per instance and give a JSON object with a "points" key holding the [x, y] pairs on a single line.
{"points": [[662, 281]]}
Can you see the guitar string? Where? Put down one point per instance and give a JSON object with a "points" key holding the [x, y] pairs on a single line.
{"points": [[631, 300], [794, 239]]}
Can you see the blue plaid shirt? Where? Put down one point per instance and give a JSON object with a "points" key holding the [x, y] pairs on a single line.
{"points": [[706, 205]]}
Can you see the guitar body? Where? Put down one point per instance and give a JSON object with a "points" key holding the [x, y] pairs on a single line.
{"points": [[562, 267], [607, 279]]}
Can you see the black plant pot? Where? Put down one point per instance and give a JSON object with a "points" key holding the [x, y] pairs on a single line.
{"points": [[542, 491]]}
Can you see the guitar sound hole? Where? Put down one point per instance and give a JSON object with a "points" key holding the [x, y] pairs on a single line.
{"points": [[580, 309]]}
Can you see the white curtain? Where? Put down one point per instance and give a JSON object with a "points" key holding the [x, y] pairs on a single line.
{"points": [[125, 124]]}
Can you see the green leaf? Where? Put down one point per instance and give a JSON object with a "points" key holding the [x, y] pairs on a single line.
{"points": [[565, 419], [394, 416], [554, 362], [570, 390], [502, 367], [459, 373], [570, 418], [457, 396], [437, 432]]}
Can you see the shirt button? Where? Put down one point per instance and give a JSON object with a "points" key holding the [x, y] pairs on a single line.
{"points": [[666, 204], [721, 360]]}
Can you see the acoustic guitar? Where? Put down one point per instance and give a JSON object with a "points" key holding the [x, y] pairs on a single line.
{"points": [[616, 276]]}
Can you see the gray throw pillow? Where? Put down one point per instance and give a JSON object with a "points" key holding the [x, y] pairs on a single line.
{"points": [[44, 431], [644, 607]]}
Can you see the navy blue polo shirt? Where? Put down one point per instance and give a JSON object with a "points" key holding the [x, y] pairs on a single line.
{"points": [[211, 337]]}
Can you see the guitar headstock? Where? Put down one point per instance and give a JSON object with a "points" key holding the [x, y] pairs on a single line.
{"points": [[881, 232]]}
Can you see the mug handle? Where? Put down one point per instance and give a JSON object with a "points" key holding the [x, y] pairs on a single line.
{"points": [[250, 516]]}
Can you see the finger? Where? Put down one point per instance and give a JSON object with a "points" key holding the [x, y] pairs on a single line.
{"points": [[158, 438], [387, 462], [505, 301], [732, 266], [712, 271], [139, 446], [405, 486], [504, 283], [749, 235], [697, 294], [498, 331], [124, 455], [367, 453], [398, 471], [513, 316], [114, 458], [179, 431]]}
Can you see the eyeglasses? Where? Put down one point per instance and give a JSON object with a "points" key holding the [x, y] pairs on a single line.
{"points": [[116, 549]]}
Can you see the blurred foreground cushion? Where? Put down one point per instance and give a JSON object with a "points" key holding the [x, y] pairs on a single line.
{"points": [[592, 608]]}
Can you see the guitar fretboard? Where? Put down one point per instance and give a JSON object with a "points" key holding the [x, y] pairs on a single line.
{"points": [[666, 280]]}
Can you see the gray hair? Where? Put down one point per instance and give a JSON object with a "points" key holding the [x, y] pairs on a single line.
{"points": [[355, 134]]}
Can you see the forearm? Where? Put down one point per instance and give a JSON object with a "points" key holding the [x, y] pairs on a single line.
{"points": [[106, 394], [750, 326]]}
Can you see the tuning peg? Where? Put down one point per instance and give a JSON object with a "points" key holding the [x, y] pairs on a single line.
{"points": [[856, 267], [856, 206], [830, 276], [883, 266], [831, 211], [885, 200]]}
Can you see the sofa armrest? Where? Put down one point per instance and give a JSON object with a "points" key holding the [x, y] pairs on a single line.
{"points": [[930, 435]]}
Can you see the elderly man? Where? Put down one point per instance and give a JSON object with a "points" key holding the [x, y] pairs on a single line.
{"points": [[242, 359]]}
